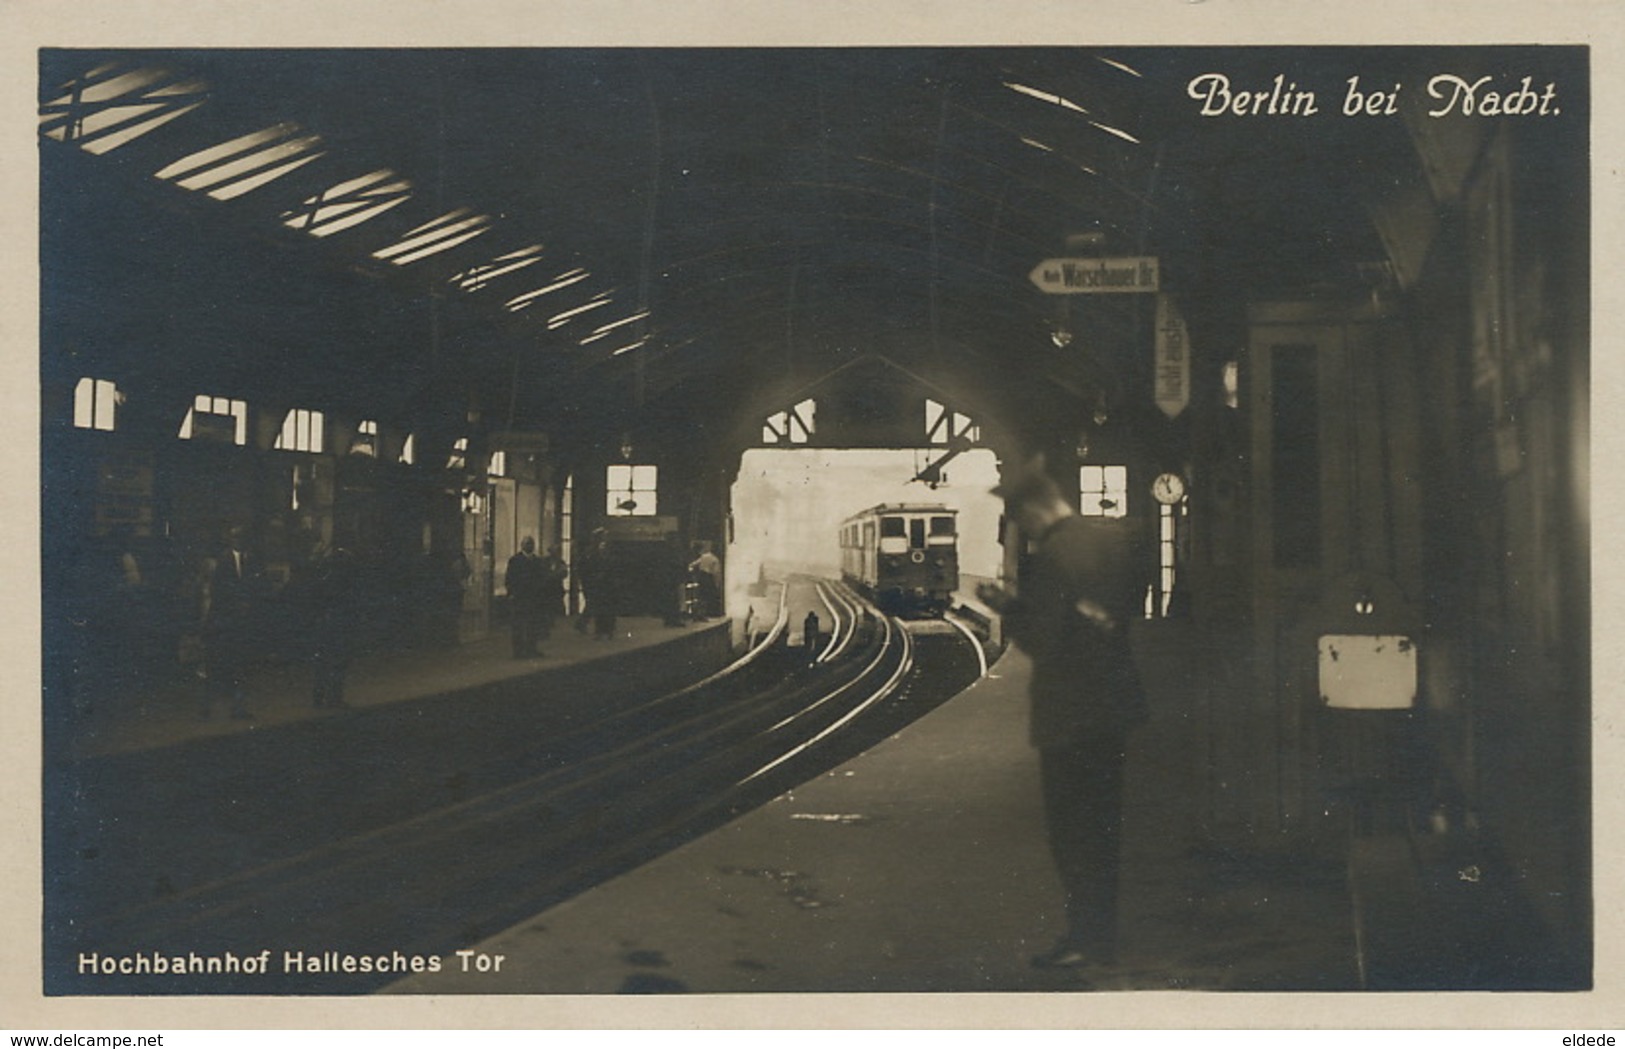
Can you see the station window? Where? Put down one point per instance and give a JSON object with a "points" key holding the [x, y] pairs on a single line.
{"points": [[302, 431], [499, 464], [631, 490], [366, 438], [409, 453], [95, 404], [458, 459], [1103, 491], [795, 426], [217, 419], [943, 426]]}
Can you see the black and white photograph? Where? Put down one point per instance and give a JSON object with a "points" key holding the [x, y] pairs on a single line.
{"points": [[1080, 520]]}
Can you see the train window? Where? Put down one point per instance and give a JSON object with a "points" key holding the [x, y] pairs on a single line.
{"points": [[941, 526], [631, 491], [302, 431], [916, 531], [95, 402], [892, 528], [1103, 491], [216, 419]]}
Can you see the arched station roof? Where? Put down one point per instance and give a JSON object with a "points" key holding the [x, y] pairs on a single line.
{"points": [[673, 234]]}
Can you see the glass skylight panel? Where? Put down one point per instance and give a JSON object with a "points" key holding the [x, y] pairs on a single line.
{"points": [[247, 185], [1037, 144], [563, 280], [629, 348], [349, 203], [559, 320], [599, 333], [1119, 65], [476, 277], [1119, 132], [244, 164], [434, 236], [103, 114], [226, 171], [1046, 96], [224, 150]]}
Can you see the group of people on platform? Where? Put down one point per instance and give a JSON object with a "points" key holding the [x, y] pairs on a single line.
{"points": [[537, 587], [133, 612]]}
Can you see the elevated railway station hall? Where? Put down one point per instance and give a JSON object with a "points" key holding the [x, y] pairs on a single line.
{"points": [[523, 521]]}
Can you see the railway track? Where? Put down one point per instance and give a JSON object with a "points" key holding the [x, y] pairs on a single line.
{"points": [[606, 796]]}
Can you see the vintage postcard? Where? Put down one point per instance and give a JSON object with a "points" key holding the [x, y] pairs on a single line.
{"points": [[679, 519]]}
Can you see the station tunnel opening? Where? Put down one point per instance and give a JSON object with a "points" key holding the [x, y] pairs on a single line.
{"points": [[787, 506]]}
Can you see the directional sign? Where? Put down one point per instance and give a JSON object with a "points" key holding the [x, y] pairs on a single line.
{"points": [[1173, 359], [1095, 276]]}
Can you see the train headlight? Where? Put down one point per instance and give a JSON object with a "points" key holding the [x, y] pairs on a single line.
{"points": [[917, 556]]}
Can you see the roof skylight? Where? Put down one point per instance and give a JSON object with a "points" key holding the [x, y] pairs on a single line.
{"points": [[563, 280], [349, 203], [559, 320], [599, 333], [1046, 96], [246, 163], [103, 114], [437, 235], [1115, 64], [476, 277]]}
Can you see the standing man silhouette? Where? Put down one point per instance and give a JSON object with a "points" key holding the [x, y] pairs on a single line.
{"points": [[1077, 595]]}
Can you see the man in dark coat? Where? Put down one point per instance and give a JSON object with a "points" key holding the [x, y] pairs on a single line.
{"points": [[527, 582], [1078, 593]]}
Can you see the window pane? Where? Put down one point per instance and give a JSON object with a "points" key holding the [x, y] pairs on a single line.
{"points": [[643, 478], [942, 526], [891, 527], [84, 397], [106, 400], [618, 476]]}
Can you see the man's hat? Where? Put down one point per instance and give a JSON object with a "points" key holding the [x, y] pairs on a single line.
{"points": [[1026, 480]]}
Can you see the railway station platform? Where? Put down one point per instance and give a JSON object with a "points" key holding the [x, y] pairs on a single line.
{"points": [[921, 866], [278, 693]]}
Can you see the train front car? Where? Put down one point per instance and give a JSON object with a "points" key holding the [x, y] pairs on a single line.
{"points": [[904, 557]]}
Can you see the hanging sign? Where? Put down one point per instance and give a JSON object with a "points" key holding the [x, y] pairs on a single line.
{"points": [[1173, 360], [1086, 276]]}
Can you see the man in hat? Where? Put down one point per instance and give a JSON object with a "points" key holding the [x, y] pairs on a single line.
{"points": [[1078, 591]]}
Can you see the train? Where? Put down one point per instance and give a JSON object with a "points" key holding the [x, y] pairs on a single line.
{"points": [[903, 556]]}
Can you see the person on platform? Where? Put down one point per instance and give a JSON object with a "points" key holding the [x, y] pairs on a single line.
{"points": [[231, 599], [706, 570], [555, 573], [527, 583], [598, 582], [332, 595], [809, 638], [1077, 594]]}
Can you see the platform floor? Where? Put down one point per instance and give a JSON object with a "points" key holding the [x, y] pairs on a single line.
{"points": [[921, 866], [278, 693]]}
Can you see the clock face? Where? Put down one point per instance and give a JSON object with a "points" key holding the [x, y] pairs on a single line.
{"points": [[1168, 488]]}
